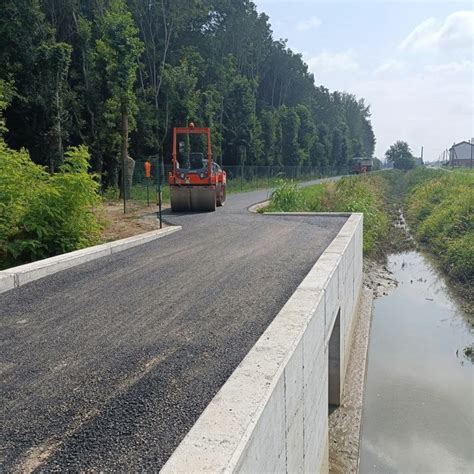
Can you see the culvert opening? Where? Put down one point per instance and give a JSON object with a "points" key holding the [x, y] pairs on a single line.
{"points": [[334, 365]]}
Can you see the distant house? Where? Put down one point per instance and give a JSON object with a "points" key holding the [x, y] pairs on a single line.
{"points": [[461, 154]]}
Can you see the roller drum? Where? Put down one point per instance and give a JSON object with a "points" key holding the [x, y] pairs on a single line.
{"points": [[203, 198], [193, 198], [180, 199]]}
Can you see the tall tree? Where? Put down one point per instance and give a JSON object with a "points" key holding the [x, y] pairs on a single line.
{"points": [[119, 49], [95, 71], [400, 155], [38, 66], [290, 125], [56, 57]]}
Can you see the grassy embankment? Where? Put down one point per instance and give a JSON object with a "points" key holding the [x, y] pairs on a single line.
{"points": [[350, 194], [439, 210], [438, 206]]}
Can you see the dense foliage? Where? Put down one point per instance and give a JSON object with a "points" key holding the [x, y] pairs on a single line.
{"points": [[92, 71], [440, 210], [43, 214]]}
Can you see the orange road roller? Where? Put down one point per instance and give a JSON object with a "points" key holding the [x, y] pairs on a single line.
{"points": [[197, 184]]}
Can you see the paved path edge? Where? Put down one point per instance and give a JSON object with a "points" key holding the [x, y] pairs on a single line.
{"points": [[18, 276]]}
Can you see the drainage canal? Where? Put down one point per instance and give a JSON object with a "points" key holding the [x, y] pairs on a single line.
{"points": [[418, 405]]}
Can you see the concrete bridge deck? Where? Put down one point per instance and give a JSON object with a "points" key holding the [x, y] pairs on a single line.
{"points": [[106, 366]]}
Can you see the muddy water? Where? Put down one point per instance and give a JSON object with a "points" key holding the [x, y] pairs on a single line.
{"points": [[418, 414]]}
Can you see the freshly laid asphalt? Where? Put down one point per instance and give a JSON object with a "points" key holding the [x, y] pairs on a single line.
{"points": [[106, 366]]}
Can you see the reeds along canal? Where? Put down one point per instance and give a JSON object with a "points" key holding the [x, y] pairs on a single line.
{"points": [[418, 413]]}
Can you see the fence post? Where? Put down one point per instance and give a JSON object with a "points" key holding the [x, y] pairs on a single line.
{"points": [[159, 196]]}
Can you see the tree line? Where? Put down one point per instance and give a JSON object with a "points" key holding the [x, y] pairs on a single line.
{"points": [[117, 75]]}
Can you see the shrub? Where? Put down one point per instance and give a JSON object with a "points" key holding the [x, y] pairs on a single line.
{"points": [[41, 214]]}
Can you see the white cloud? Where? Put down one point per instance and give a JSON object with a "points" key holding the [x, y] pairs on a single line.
{"points": [[451, 68], [455, 32], [326, 62], [310, 24], [390, 66], [425, 107]]}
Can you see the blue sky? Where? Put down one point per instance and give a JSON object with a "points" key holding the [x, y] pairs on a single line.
{"points": [[411, 60]]}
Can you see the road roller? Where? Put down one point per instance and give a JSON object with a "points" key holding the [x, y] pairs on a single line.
{"points": [[197, 183]]}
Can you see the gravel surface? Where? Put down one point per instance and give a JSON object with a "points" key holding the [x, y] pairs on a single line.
{"points": [[107, 365]]}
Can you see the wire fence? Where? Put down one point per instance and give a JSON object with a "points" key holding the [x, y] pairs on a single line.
{"points": [[239, 178]]}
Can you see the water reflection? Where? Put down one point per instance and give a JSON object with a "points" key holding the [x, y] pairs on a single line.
{"points": [[418, 406]]}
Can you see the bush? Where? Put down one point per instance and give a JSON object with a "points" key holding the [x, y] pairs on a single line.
{"points": [[287, 197], [41, 214]]}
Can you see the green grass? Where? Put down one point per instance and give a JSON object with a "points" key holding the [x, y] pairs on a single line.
{"points": [[287, 197], [350, 194], [238, 186], [139, 193], [439, 209]]}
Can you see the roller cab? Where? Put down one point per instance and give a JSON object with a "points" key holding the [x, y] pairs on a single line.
{"points": [[197, 183]]}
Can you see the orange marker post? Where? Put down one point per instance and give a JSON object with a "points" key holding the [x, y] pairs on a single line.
{"points": [[147, 169], [147, 177]]}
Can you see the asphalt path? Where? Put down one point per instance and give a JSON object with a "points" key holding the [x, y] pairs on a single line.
{"points": [[107, 365]]}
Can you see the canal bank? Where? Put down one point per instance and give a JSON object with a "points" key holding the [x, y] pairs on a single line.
{"points": [[418, 400]]}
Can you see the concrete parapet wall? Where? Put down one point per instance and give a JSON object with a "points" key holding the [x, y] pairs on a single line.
{"points": [[271, 415]]}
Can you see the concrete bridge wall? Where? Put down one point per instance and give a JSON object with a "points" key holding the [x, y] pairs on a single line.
{"points": [[272, 413]]}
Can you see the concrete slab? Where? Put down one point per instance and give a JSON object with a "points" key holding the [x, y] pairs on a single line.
{"points": [[23, 274], [265, 450], [295, 442], [7, 281], [294, 383], [42, 268]]}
